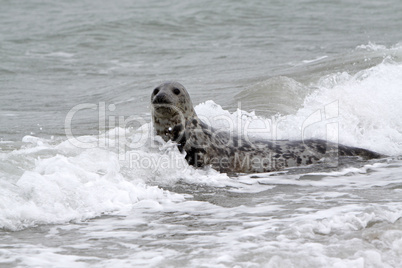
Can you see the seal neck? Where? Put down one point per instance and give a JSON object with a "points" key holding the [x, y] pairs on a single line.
{"points": [[169, 128]]}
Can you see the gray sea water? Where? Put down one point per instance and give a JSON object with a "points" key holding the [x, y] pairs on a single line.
{"points": [[83, 183]]}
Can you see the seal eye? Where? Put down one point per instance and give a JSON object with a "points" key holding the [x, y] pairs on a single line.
{"points": [[156, 90], [176, 91]]}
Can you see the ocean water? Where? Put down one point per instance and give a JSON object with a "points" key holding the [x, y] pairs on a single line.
{"points": [[85, 183]]}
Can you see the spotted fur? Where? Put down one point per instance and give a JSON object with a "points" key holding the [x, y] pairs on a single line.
{"points": [[174, 119]]}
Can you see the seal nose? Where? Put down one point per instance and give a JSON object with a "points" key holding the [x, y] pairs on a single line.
{"points": [[161, 98]]}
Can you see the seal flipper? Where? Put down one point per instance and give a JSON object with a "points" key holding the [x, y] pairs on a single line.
{"points": [[355, 151], [323, 147]]}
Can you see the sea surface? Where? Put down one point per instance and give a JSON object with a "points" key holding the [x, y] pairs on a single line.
{"points": [[85, 183]]}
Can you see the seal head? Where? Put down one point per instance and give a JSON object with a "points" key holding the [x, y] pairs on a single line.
{"points": [[171, 110]]}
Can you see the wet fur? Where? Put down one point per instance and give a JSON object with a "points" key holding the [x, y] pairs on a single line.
{"points": [[174, 119]]}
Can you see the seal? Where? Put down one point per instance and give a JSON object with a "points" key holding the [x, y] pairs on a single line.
{"points": [[175, 119]]}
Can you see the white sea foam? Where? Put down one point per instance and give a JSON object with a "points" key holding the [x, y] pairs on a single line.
{"points": [[61, 188], [63, 183], [366, 108], [359, 110], [345, 218]]}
